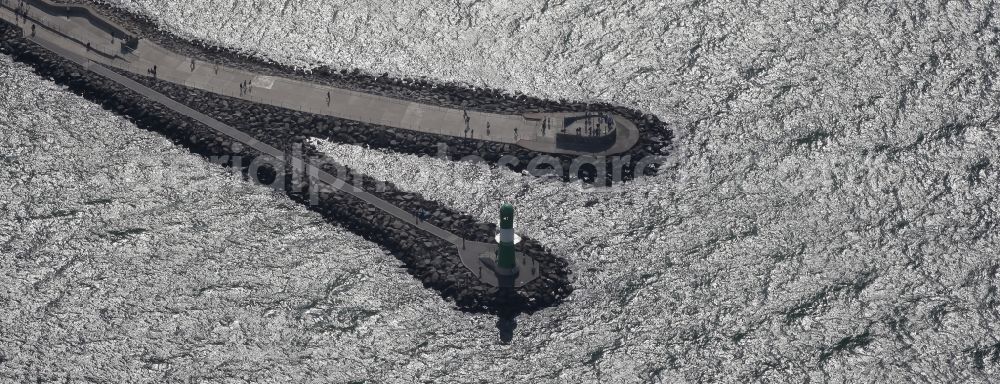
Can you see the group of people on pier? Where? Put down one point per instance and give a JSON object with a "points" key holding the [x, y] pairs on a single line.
{"points": [[21, 13], [603, 125], [246, 87], [593, 125], [468, 130]]}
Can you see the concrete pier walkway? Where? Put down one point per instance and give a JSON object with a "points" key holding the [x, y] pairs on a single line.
{"points": [[70, 42], [75, 27]]}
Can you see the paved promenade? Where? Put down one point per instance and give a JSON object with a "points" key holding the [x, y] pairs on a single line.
{"points": [[469, 251], [74, 31]]}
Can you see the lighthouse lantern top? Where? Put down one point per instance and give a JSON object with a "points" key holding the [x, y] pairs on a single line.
{"points": [[506, 216]]}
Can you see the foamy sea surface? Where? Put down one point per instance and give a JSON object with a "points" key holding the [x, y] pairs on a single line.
{"points": [[827, 213]]}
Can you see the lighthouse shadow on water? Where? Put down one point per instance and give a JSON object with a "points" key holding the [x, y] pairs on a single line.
{"points": [[506, 322]]}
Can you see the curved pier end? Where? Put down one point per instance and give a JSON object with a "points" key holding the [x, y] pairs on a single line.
{"points": [[560, 135]]}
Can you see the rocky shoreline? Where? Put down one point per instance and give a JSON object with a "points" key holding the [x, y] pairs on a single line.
{"points": [[435, 262], [655, 136]]}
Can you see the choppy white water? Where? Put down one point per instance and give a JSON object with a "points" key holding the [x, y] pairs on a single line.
{"points": [[828, 214]]}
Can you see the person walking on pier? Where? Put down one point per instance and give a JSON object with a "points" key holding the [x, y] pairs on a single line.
{"points": [[487, 128], [32, 30], [327, 98]]}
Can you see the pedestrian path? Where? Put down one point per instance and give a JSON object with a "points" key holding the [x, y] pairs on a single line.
{"points": [[83, 31]]}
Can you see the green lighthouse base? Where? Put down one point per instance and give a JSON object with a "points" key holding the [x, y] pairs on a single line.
{"points": [[480, 258], [493, 265]]}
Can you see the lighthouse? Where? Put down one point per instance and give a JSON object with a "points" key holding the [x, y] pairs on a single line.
{"points": [[505, 251], [501, 265]]}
